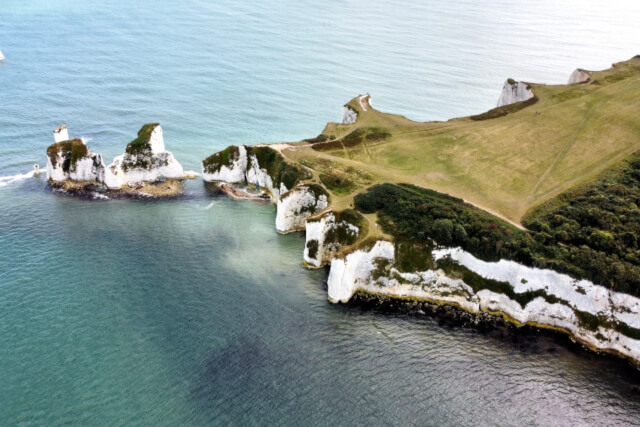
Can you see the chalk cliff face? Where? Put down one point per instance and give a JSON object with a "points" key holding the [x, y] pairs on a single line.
{"points": [[325, 236], [261, 166], [60, 134], [297, 204], [233, 170], [349, 116], [551, 299], [513, 92], [145, 159], [579, 76], [72, 160]]}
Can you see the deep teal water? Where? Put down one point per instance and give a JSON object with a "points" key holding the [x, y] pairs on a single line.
{"points": [[195, 311]]}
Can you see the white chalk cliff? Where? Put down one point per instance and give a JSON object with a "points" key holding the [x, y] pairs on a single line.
{"points": [[349, 115], [319, 250], [579, 76], [513, 92], [244, 168], [148, 164], [566, 298], [240, 165], [60, 134], [296, 205], [63, 165], [234, 173]]}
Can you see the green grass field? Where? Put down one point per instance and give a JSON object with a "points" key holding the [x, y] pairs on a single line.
{"points": [[505, 165]]}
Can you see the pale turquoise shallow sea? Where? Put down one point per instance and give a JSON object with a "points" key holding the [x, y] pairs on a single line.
{"points": [[196, 311]]}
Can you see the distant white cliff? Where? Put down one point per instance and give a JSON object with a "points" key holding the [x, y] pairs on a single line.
{"points": [[349, 115], [513, 92], [579, 76]]}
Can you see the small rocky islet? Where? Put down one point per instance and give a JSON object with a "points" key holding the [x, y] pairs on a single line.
{"points": [[145, 169]]}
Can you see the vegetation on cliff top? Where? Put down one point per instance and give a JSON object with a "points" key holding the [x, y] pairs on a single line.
{"points": [[71, 151], [226, 157], [141, 145], [268, 159]]}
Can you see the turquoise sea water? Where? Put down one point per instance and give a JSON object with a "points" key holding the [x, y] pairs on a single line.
{"points": [[195, 311]]}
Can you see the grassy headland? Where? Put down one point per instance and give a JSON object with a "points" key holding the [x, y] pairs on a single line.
{"points": [[513, 159]]}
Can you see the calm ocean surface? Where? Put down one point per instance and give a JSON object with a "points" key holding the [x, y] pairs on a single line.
{"points": [[196, 311]]}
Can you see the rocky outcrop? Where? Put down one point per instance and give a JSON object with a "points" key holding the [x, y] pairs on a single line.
{"points": [[327, 234], [513, 91], [145, 159], [72, 160], [593, 315], [229, 165], [61, 134], [579, 76], [266, 169], [296, 205], [260, 166], [349, 115]]}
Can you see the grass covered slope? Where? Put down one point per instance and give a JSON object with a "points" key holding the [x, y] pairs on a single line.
{"points": [[504, 161]]}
